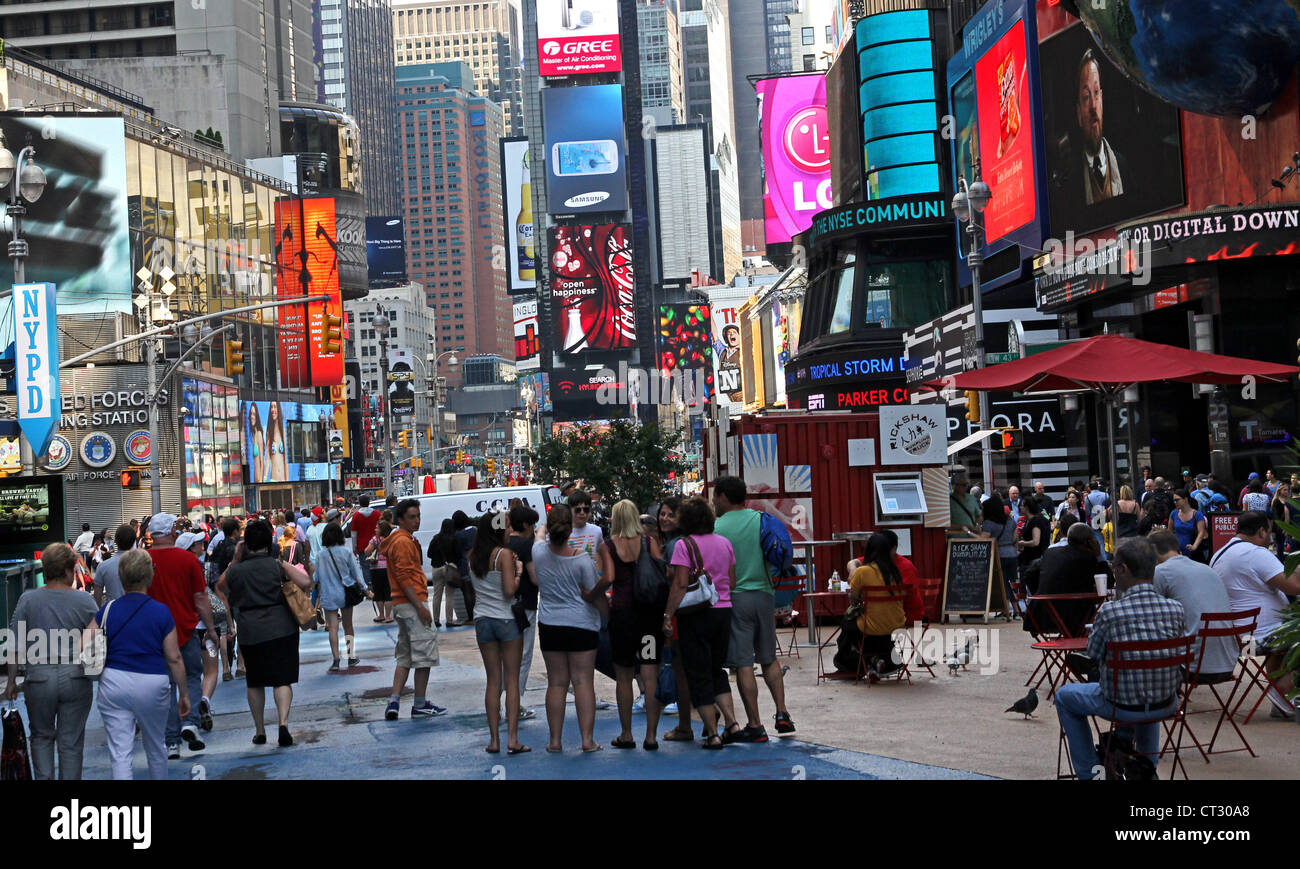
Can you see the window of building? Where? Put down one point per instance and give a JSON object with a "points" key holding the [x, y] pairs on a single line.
{"points": [[842, 293], [809, 62], [808, 37]]}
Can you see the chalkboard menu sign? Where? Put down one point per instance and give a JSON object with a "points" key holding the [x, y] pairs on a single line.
{"points": [[968, 587]]}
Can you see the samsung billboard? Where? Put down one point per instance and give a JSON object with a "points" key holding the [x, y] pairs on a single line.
{"points": [[385, 251], [585, 154]]}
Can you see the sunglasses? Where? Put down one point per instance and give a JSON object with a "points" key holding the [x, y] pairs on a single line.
{"points": [[581, 509]]}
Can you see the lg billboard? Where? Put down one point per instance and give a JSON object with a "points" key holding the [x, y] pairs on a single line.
{"points": [[578, 37], [795, 139]]}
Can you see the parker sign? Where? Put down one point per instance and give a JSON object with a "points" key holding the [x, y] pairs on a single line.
{"points": [[36, 373]]}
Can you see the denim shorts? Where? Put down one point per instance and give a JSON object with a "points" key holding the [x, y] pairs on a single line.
{"points": [[496, 630]]}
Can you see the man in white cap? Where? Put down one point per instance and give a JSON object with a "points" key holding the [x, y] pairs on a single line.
{"points": [[178, 583]]}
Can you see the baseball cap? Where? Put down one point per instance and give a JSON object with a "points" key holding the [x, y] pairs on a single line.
{"points": [[332, 515], [162, 523], [1253, 476], [1202, 478], [317, 512], [188, 539]]}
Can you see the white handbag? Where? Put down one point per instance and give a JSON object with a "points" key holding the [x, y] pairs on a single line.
{"points": [[701, 593]]}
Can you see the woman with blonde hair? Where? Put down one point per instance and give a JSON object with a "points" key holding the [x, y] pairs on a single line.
{"points": [[635, 625], [1126, 514]]}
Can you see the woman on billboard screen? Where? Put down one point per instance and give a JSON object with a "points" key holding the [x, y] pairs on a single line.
{"points": [[278, 471], [257, 437]]}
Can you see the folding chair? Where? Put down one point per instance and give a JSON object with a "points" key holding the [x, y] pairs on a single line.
{"points": [[797, 585], [879, 597], [1169, 654], [929, 589], [1253, 669], [1239, 631]]}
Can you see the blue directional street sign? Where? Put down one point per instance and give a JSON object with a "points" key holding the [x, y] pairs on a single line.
{"points": [[36, 369]]}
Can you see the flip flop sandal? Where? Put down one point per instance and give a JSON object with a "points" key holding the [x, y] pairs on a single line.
{"points": [[523, 749], [492, 750], [618, 743], [650, 746]]}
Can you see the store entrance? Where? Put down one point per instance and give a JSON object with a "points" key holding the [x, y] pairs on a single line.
{"points": [[274, 497], [1176, 423]]}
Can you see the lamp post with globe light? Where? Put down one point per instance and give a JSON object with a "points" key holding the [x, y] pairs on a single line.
{"points": [[970, 201], [28, 183]]}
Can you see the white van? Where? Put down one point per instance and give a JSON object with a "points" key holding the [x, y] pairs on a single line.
{"points": [[475, 502]]}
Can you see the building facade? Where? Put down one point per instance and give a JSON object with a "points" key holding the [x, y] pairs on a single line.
{"points": [[355, 52], [451, 180], [482, 33], [232, 61], [663, 94], [686, 212]]}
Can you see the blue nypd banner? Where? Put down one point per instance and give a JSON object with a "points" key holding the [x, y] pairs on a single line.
{"points": [[36, 369]]}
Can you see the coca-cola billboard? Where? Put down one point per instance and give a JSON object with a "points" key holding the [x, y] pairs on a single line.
{"points": [[593, 287], [576, 37]]}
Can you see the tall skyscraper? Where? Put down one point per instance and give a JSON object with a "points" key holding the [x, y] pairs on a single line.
{"points": [[225, 65], [451, 180], [354, 46], [709, 87], [760, 43], [482, 33], [663, 95]]}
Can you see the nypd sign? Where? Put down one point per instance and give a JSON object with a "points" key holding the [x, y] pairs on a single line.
{"points": [[36, 374]]}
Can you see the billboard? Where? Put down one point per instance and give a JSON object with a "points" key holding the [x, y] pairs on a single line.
{"points": [[898, 100], [307, 264], [78, 233], [31, 510], [285, 441], [795, 137], [585, 153], [214, 478], [993, 83], [726, 352], [1113, 150], [593, 287], [585, 395], [528, 340], [686, 341], [578, 37], [535, 393], [401, 383], [517, 197], [385, 251]]}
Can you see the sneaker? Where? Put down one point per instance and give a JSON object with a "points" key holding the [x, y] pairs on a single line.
{"points": [[428, 710], [526, 714], [191, 737], [670, 709], [639, 704], [604, 704], [392, 711], [783, 723], [751, 734], [173, 751], [205, 713]]}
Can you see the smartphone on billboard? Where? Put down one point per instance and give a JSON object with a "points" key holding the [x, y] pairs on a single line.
{"points": [[597, 157]]}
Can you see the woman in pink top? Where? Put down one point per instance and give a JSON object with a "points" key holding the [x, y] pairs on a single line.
{"points": [[703, 634]]}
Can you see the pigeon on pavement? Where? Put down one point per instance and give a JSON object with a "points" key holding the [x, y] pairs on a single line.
{"points": [[1026, 705]]}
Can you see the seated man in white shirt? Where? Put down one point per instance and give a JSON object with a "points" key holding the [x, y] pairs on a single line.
{"points": [[1254, 577]]}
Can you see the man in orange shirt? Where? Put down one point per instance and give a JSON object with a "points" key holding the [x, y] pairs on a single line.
{"points": [[417, 642]]}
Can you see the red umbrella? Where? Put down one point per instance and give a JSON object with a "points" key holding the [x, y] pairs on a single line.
{"points": [[1107, 365]]}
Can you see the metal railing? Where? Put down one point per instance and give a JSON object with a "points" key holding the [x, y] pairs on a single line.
{"points": [[50, 66]]}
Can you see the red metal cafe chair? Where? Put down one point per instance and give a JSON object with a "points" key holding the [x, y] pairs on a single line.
{"points": [[1128, 657], [909, 643], [1253, 670], [1037, 632], [1061, 640], [1238, 625]]}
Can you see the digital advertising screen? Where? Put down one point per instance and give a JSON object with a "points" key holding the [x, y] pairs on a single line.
{"points": [[307, 264], [385, 251], [585, 149], [517, 196], [578, 37], [31, 510], [1006, 146], [593, 287], [898, 99], [686, 342], [78, 233], [1114, 151], [285, 441], [726, 351], [794, 134], [528, 339], [214, 478], [535, 392]]}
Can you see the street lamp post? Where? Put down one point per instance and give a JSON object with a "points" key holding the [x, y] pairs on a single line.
{"points": [[381, 329], [970, 201], [28, 183], [431, 381]]}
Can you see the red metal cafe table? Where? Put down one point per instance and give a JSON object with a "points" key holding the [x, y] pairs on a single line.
{"points": [[1055, 649], [810, 578], [824, 603]]}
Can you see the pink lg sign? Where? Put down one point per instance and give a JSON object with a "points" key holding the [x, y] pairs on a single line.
{"points": [[796, 154]]}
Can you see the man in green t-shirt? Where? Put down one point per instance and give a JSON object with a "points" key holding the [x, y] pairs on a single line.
{"points": [[753, 611]]}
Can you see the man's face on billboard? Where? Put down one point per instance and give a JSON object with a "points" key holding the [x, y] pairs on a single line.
{"points": [[1088, 109]]}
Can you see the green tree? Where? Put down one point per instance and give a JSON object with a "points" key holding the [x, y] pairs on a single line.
{"points": [[627, 461]]}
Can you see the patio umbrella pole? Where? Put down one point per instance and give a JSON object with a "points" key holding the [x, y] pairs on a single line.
{"points": [[1114, 462]]}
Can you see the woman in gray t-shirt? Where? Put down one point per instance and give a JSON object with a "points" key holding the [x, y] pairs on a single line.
{"points": [[568, 625]]}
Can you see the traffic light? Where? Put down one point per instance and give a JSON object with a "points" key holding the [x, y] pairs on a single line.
{"points": [[417, 463], [131, 479], [1011, 439], [331, 341], [491, 466], [973, 406], [401, 438], [234, 358]]}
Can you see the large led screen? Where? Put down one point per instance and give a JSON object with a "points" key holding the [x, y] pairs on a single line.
{"points": [[585, 154], [528, 339], [385, 251], [307, 264], [686, 345], [517, 196], [795, 138], [1006, 139], [285, 442], [593, 288]]}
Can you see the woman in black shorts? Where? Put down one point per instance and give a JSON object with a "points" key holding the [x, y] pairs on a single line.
{"points": [[635, 627], [379, 574], [568, 625]]}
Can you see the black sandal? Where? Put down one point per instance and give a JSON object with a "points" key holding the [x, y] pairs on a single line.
{"points": [[618, 743], [650, 746], [713, 742], [259, 739]]}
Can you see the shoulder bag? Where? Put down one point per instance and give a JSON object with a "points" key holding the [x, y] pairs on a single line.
{"points": [[701, 593], [651, 587], [297, 600], [352, 594]]}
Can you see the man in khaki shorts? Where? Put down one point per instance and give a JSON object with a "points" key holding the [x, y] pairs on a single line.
{"points": [[417, 642]]}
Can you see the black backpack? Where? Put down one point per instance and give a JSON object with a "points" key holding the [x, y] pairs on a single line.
{"points": [[1125, 763]]}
